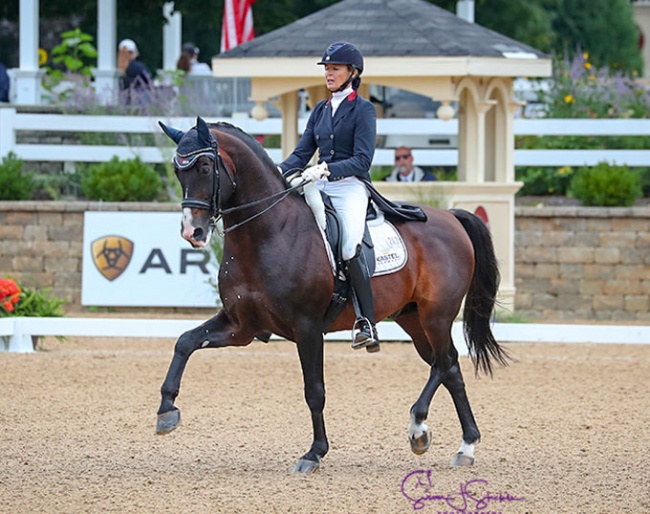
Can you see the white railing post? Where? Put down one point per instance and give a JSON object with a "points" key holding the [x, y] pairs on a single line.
{"points": [[21, 340], [7, 130]]}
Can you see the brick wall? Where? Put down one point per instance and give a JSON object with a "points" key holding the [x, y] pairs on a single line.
{"points": [[571, 263], [576, 263]]}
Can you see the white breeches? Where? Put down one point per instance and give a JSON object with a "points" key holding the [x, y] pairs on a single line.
{"points": [[350, 199]]}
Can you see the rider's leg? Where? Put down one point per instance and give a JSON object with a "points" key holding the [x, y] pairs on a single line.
{"points": [[365, 335], [350, 199]]}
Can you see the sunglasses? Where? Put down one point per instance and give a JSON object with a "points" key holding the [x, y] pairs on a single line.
{"points": [[402, 156]]}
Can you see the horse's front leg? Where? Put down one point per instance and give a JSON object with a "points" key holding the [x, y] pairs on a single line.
{"points": [[311, 361], [217, 332]]}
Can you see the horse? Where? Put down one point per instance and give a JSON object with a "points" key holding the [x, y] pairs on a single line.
{"points": [[275, 278]]}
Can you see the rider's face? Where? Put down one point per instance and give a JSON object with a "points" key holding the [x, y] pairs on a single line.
{"points": [[336, 75]]}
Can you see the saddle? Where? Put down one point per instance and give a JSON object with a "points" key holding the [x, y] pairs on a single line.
{"points": [[378, 208]]}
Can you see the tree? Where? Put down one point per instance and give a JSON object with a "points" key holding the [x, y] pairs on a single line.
{"points": [[604, 28]]}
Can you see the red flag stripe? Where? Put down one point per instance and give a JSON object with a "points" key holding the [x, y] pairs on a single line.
{"points": [[237, 26]]}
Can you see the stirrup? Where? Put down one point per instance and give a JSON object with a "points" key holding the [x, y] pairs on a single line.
{"points": [[364, 335]]}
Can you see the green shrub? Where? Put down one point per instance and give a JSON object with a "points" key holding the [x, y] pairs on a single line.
{"points": [[121, 181], [15, 183], [544, 181], [644, 179], [606, 186]]}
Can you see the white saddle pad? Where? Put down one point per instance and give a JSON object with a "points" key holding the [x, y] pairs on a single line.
{"points": [[390, 251]]}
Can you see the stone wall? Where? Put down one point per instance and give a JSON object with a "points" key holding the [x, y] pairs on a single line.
{"points": [[577, 263], [571, 263]]}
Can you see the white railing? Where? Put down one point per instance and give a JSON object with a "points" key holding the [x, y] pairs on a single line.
{"points": [[12, 122], [17, 332]]}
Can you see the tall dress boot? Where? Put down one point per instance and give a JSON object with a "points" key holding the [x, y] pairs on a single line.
{"points": [[365, 333]]}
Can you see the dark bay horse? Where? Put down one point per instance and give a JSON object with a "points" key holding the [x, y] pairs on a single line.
{"points": [[275, 277]]}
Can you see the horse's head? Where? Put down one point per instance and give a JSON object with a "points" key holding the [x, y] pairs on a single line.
{"points": [[197, 166]]}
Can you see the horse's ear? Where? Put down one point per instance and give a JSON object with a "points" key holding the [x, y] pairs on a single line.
{"points": [[202, 129], [174, 134]]}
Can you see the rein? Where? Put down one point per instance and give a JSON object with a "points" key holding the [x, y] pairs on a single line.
{"points": [[282, 195]]}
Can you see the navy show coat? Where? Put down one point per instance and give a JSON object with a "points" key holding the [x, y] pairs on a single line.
{"points": [[346, 142]]}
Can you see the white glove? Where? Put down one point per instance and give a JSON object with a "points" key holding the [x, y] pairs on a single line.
{"points": [[314, 173]]}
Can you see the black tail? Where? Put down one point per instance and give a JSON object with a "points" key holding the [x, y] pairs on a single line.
{"points": [[482, 295]]}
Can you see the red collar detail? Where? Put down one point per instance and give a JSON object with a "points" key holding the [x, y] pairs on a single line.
{"points": [[351, 97]]}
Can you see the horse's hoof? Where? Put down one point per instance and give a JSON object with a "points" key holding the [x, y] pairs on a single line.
{"points": [[168, 421], [421, 444], [460, 459], [306, 467]]}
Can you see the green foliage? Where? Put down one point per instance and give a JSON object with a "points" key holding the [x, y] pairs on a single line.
{"points": [[35, 302], [605, 185], [644, 181], [73, 60], [75, 51], [121, 181], [581, 25], [544, 181], [15, 183]]}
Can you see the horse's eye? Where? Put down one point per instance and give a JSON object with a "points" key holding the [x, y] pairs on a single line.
{"points": [[205, 169]]}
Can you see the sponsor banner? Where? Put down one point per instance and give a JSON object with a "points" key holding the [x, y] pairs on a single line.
{"points": [[138, 259]]}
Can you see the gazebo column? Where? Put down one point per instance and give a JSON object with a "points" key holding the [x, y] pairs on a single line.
{"points": [[289, 104], [500, 129], [316, 94], [106, 74], [472, 138], [28, 76]]}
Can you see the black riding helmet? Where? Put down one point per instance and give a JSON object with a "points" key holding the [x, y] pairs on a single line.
{"points": [[346, 53]]}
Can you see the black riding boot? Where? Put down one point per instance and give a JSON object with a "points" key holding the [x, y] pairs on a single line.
{"points": [[365, 333]]}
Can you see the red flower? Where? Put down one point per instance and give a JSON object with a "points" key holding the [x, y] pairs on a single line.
{"points": [[9, 294]]}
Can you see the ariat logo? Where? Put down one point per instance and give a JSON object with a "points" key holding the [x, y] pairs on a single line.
{"points": [[111, 255]]}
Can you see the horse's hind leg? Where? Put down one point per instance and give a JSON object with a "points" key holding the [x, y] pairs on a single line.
{"points": [[214, 333], [418, 432], [445, 370], [455, 384]]}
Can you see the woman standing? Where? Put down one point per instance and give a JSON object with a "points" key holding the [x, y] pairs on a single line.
{"points": [[343, 129]]}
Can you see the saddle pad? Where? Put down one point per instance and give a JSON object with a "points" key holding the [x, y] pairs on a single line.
{"points": [[390, 251]]}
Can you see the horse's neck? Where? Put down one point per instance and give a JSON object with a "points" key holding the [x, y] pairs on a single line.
{"points": [[271, 205]]}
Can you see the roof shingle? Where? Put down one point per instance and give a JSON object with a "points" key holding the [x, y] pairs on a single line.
{"points": [[383, 28]]}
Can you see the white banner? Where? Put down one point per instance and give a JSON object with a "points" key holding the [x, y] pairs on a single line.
{"points": [[139, 259]]}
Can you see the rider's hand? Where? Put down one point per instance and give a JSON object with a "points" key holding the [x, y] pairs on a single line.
{"points": [[314, 173]]}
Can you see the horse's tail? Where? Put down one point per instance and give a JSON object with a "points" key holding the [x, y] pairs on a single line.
{"points": [[482, 296]]}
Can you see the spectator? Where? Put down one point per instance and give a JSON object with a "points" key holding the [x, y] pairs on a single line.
{"points": [[189, 63], [136, 78], [405, 171]]}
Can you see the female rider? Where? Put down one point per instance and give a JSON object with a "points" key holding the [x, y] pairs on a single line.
{"points": [[344, 129]]}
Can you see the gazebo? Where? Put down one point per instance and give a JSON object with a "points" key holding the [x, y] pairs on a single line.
{"points": [[415, 46]]}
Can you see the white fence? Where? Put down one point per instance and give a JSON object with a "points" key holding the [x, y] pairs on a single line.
{"points": [[12, 122], [17, 332]]}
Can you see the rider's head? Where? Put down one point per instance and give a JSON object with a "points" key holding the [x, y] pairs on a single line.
{"points": [[347, 54]]}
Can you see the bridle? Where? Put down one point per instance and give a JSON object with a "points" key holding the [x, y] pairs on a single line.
{"points": [[221, 186]]}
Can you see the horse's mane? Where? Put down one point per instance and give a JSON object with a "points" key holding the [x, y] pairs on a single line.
{"points": [[246, 138]]}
